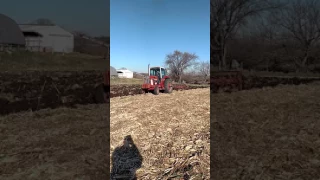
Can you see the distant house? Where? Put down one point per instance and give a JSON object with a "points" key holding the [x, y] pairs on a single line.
{"points": [[47, 38], [10, 34], [124, 73]]}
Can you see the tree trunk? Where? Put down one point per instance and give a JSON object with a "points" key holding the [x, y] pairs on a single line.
{"points": [[302, 65], [223, 53], [304, 61]]}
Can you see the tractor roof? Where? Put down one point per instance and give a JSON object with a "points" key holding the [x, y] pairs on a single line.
{"points": [[156, 67]]}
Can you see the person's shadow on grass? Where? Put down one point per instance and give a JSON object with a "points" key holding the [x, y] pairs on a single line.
{"points": [[126, 160]]}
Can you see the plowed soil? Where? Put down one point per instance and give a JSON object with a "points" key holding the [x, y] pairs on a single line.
{"points": [[127, 90], [38, 90], [252, 82], [256, 82], [170, 135], [269, 133], [60, 144]]}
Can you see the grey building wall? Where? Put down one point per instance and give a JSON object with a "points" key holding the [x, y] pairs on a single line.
{"points": [[54, 38]]}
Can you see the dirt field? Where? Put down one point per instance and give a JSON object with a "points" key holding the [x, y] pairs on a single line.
{"points": [[55, 144], [267, 133], [170, 133]]}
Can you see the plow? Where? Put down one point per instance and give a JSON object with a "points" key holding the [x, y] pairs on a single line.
{"points": [[226, 81]]}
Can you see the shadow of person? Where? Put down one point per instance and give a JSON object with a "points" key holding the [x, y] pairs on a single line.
{"points": [[126, 160]]}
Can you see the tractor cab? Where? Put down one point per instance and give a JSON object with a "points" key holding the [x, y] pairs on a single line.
{"points": [[160, 72]]}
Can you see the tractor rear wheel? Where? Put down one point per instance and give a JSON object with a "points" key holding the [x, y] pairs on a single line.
{"points": [[168, 86], [156, 90]]}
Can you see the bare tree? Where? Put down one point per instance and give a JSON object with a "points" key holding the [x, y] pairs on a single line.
{"points": [[269, 35], [204, 69], [226, 18], [301, 19], [178, 62]]}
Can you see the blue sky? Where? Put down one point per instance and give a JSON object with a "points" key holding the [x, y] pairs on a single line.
{"points": [[92, 17], [144, 31]]}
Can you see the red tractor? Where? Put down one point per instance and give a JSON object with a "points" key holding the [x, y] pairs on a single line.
{"points": [[157, 81]]}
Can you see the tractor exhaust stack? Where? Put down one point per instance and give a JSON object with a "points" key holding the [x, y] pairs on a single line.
{"points": [[148, 69]]}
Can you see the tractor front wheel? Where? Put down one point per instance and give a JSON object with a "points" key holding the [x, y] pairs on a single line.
{"points": [[168, 86], [156, 90]]}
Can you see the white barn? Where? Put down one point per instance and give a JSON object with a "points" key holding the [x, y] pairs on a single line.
{"points": [[47, 38], [124, 73]]}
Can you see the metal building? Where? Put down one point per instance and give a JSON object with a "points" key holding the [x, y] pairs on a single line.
{"points": [[124, 73], [113, 71], [10, 33], [47, 38]]}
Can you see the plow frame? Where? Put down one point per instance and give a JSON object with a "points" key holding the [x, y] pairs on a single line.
{"points": [[227, 79]]}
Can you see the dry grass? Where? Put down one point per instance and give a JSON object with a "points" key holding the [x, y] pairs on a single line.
{"points": [[171, 131], [117, 81], [55, 144], [33, 61], [267, 134]]}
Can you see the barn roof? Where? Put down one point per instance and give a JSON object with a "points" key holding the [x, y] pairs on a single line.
{"points": [[124, 70], [10, 32], [113, 71], [45, 29]]}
